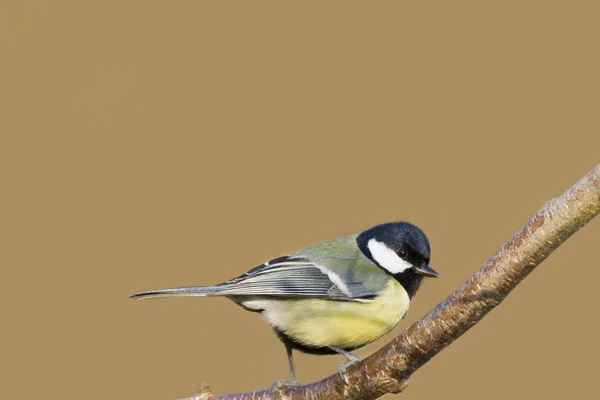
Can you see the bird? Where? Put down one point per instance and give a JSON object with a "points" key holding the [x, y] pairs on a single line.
{"points": [[334, 296]]}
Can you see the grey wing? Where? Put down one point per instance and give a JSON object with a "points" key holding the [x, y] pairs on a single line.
{"points": [[294, 277]]}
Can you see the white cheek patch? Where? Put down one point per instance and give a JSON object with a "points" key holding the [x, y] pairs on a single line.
{"points": [[387, 257]]}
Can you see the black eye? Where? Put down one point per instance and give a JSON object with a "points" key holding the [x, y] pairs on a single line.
{"points": [[402, 253]]}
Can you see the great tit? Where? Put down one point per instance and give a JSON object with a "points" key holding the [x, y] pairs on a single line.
{"points": [[334, 296]]}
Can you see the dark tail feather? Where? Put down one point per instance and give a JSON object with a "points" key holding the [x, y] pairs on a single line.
{"points": [[182, 291]]}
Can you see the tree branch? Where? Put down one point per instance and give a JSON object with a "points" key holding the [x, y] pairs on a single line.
{"points": [[388, 369]]}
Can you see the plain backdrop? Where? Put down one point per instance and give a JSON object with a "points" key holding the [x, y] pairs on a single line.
{"points": [[149, 144]]}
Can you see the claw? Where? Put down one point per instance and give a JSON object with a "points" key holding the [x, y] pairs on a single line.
{"points": [[352, 359], [343, 368], [282, 383]]}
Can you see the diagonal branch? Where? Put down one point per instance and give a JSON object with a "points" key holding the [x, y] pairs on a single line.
{"points": [[388, 369]]}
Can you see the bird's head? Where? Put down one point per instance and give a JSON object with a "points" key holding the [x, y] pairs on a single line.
{"points": [[399, 248]]}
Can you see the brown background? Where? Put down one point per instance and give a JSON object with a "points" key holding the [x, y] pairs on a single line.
{"points": [[155, 144]]}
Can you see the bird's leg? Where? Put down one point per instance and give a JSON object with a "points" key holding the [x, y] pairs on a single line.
{"points": [[290, 356], [352, 359], [292, 381]]}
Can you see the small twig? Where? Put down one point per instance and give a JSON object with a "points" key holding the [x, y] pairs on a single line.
{"points": [[388, 369]]}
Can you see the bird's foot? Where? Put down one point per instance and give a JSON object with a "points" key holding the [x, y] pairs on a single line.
{"points": [[283, 383], [351, 361]]}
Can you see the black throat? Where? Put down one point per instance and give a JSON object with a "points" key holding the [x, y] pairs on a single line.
{"points": [[410, 282]]}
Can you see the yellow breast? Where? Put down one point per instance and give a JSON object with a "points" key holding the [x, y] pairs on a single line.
{"points": [[319, 323]]}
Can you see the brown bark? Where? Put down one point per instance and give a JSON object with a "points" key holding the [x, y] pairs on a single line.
{"points": [[388, 369]]}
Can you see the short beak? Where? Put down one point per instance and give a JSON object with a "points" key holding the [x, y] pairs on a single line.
{"points": [[426, 270]]}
